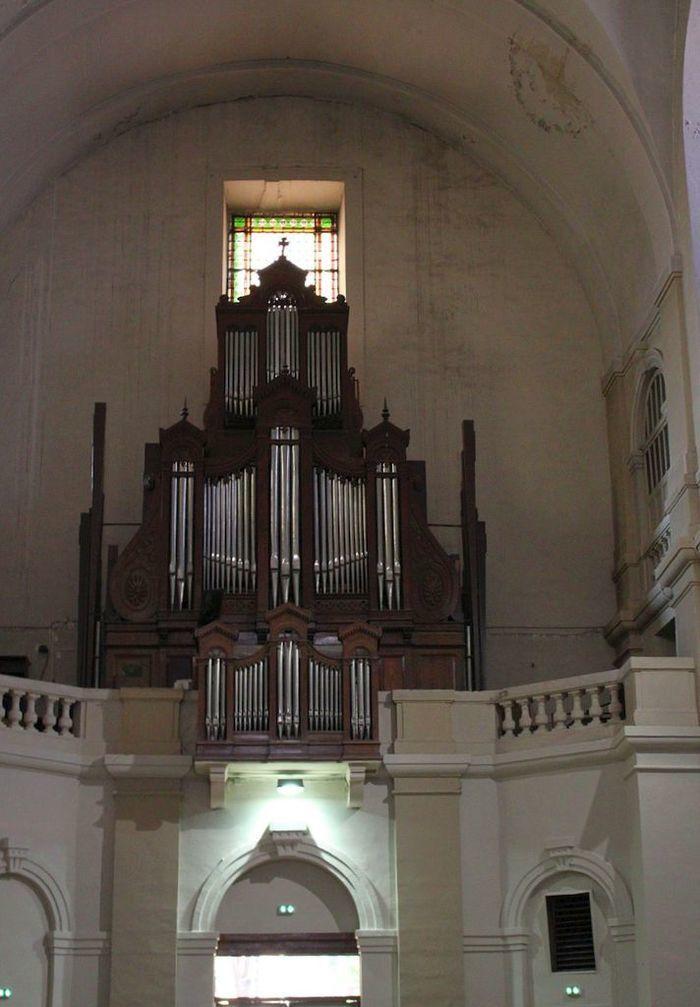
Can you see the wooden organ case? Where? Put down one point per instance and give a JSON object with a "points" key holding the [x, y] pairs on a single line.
{"points": [[284, 555]]}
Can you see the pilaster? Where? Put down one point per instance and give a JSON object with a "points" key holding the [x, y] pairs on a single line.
{"points": [[145, 886]]}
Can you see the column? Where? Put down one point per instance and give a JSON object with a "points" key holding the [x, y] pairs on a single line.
{"points": [[662, 740], [195, 968], [378, 967], [145, 886], [429, 889]]}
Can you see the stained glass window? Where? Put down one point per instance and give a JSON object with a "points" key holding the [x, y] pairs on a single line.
{"points": [[312, 244]]}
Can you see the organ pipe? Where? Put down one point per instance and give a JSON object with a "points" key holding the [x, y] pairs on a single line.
{"points": [[360, 698], [250, 697], [181, 565], [388, 536], [285, 555], [324, 370], [325, 696], [282, 336], [215, 715], [229, 533], [240, 371], [340, 536], [288, 689]]}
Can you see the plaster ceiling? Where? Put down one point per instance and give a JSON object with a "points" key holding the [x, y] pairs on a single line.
{"points": [[541, 92]]}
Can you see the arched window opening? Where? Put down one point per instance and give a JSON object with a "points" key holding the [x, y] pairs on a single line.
{"points": [[655, 448], [287, 935]]}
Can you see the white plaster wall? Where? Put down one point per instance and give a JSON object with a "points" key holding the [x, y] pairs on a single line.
{"points": [[66, 826], [362, 836], [461, 306], [321, 903], [23, 931]]}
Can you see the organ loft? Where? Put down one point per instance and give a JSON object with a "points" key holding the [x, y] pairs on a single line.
{"points": [[284, 561]]}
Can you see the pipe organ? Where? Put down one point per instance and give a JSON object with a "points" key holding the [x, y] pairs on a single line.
{"points": [[284, 560]]}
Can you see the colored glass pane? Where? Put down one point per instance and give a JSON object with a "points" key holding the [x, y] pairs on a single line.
{"points": [[312, 244]]}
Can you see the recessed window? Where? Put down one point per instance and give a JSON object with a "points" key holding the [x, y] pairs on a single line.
{"points": [[309, 240], [655, 449], [570, 926]]}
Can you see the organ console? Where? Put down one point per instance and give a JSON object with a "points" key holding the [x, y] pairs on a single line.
{"points": [[284, 558]]}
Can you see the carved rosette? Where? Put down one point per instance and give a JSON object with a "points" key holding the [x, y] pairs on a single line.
{"points": [[435, 588], [133, 586]]}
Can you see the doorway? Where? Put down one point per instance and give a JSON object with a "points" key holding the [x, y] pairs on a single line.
{"points": [[295, 970]]}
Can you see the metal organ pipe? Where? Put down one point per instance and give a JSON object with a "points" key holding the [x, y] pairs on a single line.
{"points": [[325, 696], [388, 536], [288, 689], [229, 533], [285, 557], [181, 565], [250, 697], [282, 336], [215, 716], [360, 698], [340, 535], [240, 371], [324, 370]]}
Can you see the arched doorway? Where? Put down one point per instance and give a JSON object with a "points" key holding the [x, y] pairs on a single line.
{"points": [[287, 935]]}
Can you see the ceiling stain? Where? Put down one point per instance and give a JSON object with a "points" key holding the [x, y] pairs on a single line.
{"points": [[539, 81]]}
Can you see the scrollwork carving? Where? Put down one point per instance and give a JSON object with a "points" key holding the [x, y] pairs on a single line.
{"points": [[435, 588]]}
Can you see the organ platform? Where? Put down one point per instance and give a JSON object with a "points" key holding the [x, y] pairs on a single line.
{"points": [[284, 560]]}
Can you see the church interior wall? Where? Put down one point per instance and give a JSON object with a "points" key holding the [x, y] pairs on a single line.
{"points": [[111, 301], [209, 836]]}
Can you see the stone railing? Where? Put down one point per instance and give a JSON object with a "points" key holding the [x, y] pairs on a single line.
{"points": [[565, 704], [646, 693], [45, 707], [38, 716]]}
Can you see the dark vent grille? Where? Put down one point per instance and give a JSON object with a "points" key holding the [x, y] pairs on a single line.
{"points": [[570, 932]]}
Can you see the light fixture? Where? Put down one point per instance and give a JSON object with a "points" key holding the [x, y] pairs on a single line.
{"points": [[286, 909], [573, 991], [5, 992], [290, 786]]}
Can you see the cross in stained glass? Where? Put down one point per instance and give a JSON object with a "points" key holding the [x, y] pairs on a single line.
{"points": [[309, 240]]}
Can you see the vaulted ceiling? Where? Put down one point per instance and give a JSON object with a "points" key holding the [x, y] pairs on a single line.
{"points": [[568, 100]]}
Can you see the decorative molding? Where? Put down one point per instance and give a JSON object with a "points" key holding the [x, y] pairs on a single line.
{"points": [[218, 778], [355, 776], [563, 858], [79, 945], [377, 942], [495, 942], [286, 841], [371, 912], [197, 943], [15, 861]]}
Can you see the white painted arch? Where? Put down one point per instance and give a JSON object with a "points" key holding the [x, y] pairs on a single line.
{"points": [[371, 913], [15, 861], [570, 860]]}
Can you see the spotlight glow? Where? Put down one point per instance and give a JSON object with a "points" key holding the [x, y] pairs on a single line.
{"points": [[290, 786]]}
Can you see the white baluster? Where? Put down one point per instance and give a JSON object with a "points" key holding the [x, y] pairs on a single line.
{"points": [[508, 725], [14, 716], [615, 706], [577, 711], [65, 721], [525, 717], [30, 714], [540, 720], [559, 714], [595, 711], [49, 717]]}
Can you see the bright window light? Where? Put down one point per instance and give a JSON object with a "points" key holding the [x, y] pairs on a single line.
{"points": [[311, 244], [286, 976]]}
